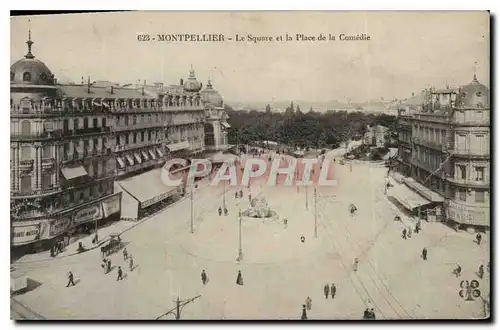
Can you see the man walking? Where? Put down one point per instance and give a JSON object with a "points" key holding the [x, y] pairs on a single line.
{"points": [[239, 278], [304, 313], [120, 274], [220, 211], [204, 277], [131, 263], [424, 254], [478, 238], [125, 254], [404, 233], [70, 279], [480, 272], [333, 290], [326, 290]]}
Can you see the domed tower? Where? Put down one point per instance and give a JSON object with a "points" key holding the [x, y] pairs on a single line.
{"points": [[210, 96], [474, 95], [192, 85]]}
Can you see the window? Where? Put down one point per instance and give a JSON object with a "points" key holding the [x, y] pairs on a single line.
{"points": [[149, 135], [462, 194], [65, 125], [126, 120], [85, 123], [26, 183], [26, 76], [25, 153], [95, 143], [46, 181], [117, 140], [103, 121], [134, 120], [81, 196], [25, 127], [480, 196], [94, 122], [135, 137], [126, 139], [479, 173], [142, 136], [462, 172], [75, 124], [47, 152]]}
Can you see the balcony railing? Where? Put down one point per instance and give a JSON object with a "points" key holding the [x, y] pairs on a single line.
{"points": [[48, 163], [131, 146], [469, 182], [433, 145], [56, 134], [425, 165], [471, 153], [35, 193], [131, 126], [87, 131]]}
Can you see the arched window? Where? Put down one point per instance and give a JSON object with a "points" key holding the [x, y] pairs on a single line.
{"points": [[26, 76], [25, 127]]}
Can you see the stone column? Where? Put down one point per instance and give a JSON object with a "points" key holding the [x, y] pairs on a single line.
{"points": [[38, 167]]}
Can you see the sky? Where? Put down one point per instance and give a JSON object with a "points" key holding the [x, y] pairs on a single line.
{"points": [[407, 51]]}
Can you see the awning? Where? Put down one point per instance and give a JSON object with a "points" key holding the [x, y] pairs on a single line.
{"points": [[148, 188], [225, 124], [407, 197], [159, 152], [428, 193], [137, 158], [73, 172], [178, 146], [145, 156], [130, 160], [153, 156], [121, 163]]}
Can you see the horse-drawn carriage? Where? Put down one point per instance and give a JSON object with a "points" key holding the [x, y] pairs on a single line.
{"points": [[115, 244]]}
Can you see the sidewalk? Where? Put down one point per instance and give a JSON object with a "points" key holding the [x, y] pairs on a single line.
{"points": [[104, 233]]}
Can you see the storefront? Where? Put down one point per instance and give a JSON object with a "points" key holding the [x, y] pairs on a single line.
{"points": [[469, 215], [25, 234]]}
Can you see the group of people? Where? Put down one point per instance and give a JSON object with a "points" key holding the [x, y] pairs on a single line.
{"points": [[226, 212], [204, 277], [480, 272], [407, 232], [57, 248], [369, 314]]}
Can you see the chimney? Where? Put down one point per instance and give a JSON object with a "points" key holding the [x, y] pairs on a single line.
{"points": [[182, 82]]}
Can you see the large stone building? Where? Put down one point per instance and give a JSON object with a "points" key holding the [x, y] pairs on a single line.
{"points": [[444, 155], [82, 154]]}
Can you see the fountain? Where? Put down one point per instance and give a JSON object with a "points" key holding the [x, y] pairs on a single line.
{"points": [[259, 209]]}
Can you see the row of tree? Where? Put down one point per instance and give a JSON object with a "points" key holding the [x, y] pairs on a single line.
{"points": [[297, 129]]}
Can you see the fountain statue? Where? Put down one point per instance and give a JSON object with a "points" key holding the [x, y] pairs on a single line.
{"points": [[259, 209]]}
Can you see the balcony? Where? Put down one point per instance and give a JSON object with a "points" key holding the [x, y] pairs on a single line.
{"points": [[137, 126], [425, 165], [131, 146], [433, 145], [469, 183], [48, 163], [35, 193], [26, 165], [469, 153], [189, 121], [44, 136], [141, 166], [87, 131]]}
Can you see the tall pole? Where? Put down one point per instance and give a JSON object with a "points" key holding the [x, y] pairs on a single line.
{"points": [[240, 249], [192, 206], [315, 216], [178, 309], [307, 202], [224, 196]]}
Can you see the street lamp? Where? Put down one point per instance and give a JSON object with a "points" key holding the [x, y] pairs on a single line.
{"points": [[192, 207], [315, 215], [240, 249], [307, 199]]}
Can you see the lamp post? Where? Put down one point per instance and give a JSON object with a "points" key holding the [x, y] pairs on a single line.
{"points": [[307, 199], [315, 215], [192, 207], [224, 196], [240, 249]]}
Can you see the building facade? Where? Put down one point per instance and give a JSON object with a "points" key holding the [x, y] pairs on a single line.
{"points": [[85, 153], [446, 154]]}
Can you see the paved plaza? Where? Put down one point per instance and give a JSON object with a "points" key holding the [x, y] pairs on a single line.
{"points": [[279, 271]]}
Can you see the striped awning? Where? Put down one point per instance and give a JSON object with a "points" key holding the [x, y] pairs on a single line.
{"points": [[225, 124], [151, 152], [130, 160], [121, 163], [137, 158], [158, 151], [145, 156], [73, 172]]}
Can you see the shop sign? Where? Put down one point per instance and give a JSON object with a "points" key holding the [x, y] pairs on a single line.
{"points": [[88, 214], [154, 200], [58, 226], [26, 234], [111, 206]]}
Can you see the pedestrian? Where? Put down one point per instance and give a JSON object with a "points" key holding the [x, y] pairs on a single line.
{"points": [[478, 238], [372, 314], [355, 265], [458, 270], [125, 254], [366, 314], [220, 211], [131, 263], [285, 221], [70, 279], [241, 193], [480, 272], [225, 211], [120, 274], [333, 290], [239, 278], [424, 253], [204, 277], [304, 313], [249, 195], [326, 290], [409, 232], [404, 233], [302, 239], [417, 228], [308, 303], [236, 195]]}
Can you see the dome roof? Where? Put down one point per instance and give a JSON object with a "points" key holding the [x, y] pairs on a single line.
{"points": [[30, 71], [211, 96], [191, 84], [475, 95]]}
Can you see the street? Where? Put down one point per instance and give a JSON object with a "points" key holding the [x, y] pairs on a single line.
{"points": [[279, 271]]}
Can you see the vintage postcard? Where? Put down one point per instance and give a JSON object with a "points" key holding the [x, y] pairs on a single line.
{"points": [[250, 166]]}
